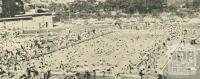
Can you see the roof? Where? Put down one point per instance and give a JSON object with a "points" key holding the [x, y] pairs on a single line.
{"points": [[35, 14], [16, 18]]}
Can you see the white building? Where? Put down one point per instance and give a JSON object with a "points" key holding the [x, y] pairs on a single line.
{"points": [[28, 22]]}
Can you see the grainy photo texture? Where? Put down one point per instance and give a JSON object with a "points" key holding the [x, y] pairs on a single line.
{"points": [[99, 39]]}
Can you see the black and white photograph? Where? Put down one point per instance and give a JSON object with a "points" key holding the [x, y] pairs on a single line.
{"points": [[99, 39]]}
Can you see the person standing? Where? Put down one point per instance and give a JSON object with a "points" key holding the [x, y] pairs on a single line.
{"points": [[94, 74], [141, 74], [104, 74]]}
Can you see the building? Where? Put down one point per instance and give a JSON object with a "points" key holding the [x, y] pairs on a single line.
{"points": [[12, 18], [27, 22]]}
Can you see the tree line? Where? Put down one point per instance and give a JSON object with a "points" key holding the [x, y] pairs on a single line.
{"points": [[118, 6], [127, 6]]}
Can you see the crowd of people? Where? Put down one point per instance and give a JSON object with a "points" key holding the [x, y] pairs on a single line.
{"points": [[137, 48], [17, 49]]}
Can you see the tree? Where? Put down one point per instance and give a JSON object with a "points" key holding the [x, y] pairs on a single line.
{"points": [[82, 6], [92, 1], [12, 7]]}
